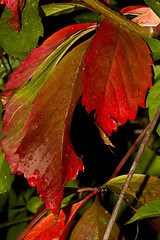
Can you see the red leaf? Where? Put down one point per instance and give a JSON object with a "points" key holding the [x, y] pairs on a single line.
{"points": [[117, 75], [46, 153], [37, 57], [44, 230], [145, 15], [16, 8]]}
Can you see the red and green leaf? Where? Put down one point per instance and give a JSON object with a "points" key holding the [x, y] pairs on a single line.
{"points": [[116, 76]]}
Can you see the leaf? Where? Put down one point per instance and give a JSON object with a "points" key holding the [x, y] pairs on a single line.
{"points": [[20, 105], [152, 209], [46, 153], [93, 224], [153, 101], [154, 45], [145, 15], [148, 163], [56, 9], [154, 5], [20, 44], [16, 7], [33, 204], [44, 230], [142, 189], [116, 76], [5, 177]]}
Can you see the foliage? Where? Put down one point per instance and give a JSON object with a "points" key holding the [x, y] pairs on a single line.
{"points": [[90, 76]]}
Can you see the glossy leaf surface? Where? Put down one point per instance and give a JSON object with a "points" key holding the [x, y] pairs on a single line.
{"points": [[93, 224], [116, 84]]}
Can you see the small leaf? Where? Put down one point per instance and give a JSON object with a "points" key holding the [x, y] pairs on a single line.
{"points": [[20, 44], [56, 9], [116, 76], [154, 45], [152, 209], [93, 223], [153, 101], [33, 204]]}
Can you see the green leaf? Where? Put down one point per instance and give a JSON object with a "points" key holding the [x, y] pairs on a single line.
{"points": [[20, 44], [87, 16], [152, 209], [142, 189], [149, 163], [33, 204], [155, 5], [153, 101], [56, 9], [154, 45], [93, 224], [5, 177]]}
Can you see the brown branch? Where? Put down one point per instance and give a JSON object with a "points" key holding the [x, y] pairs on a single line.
{"points": [[130, 174], [130, 151], [7, 224]]}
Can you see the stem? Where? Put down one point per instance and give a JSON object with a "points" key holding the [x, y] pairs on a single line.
{"points": [[130, 174], [16, 221], [88, 189], [104, 11], [130, 151]]}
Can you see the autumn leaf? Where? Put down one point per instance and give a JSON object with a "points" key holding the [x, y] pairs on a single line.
{"points": [[116, 76], [45, 152], [16, 7], [44, 230], [93, 224], [145, 15]]}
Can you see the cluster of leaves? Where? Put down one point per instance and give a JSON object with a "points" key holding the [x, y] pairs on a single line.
{"points": [[109, 65]]}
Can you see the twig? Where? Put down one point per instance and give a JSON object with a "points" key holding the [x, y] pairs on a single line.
{"points": [[6, 224], [130, 174], [130, 151]]}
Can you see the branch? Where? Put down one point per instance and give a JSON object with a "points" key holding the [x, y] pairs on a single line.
{"points": [[130, 174], [97, 6]]}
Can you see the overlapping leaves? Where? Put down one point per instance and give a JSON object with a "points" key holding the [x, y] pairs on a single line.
{"points": [[37, 120]]}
